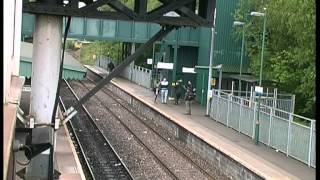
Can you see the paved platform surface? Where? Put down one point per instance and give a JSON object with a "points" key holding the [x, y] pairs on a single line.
{"points": [[261, 159], [65, 160]]}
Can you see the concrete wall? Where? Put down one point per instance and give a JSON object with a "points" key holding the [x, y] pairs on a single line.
{"points": [[12, 16], [213, 156]]}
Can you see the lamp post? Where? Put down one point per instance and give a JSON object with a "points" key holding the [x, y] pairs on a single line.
{"points": [[259, 14], [238, 23], [211, 63]]}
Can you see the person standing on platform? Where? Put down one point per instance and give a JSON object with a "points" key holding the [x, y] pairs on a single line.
{"points": [[178, 91], [189, 96], [164, 90], [110, 66], [156, 90]]}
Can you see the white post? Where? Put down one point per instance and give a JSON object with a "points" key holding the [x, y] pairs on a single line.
{"points": [[251, 96], [228, 110], [310, 143], [254, 117], [270, 123], [45, 76], [210, 65], [232, 87], [246, 90], [240, 113], [289, 133], [293, 103]]}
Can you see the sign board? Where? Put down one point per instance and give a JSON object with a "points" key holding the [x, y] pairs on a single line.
{"points": [[26, 88], [162, 65], [258, 89], [188, 70], [213, 81], [210, 93], [149, 61]]}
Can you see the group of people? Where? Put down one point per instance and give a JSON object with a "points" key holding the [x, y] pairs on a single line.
{"points": [[162, 87]]}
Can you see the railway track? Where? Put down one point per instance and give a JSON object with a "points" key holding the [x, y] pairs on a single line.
{"points": [[172, 159], [102, 160]]}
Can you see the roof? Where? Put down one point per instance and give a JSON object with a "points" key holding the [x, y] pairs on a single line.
{"points": [[250, 78], [72, 69]]}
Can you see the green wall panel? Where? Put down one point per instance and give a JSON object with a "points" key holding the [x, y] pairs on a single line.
{"points": [[194, 34], [202, 85], [28, 23], [154, 28], [227, 49], [204, 46], [76, 26], [93, 27], [141, 31], [109, 28], [184, 34], [25, 70], [124, 30], [171, 36]]}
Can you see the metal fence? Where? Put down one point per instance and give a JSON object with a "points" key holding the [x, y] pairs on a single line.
{"points": [[279, 129], [103, 62], [136, 74], [285, 102]]}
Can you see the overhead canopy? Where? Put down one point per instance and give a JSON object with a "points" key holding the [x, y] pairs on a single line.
{"points": [[249, 78]]}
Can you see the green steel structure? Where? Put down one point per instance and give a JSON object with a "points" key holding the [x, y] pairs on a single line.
{"points": [[186, 47], [72, 69]]}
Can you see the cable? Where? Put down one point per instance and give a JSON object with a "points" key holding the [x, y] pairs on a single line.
{"points": [[61, 69], [29, 160]]}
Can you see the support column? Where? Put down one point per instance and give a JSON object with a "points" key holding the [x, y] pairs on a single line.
{"points": [[44, 82], [131, 66], [210, 65], [175, 61]]}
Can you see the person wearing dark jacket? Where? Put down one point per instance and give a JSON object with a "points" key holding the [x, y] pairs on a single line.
{"points": [[110, 66], [189, 96], [178, 91]]}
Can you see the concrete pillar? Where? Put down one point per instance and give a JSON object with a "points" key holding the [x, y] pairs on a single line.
{"points": [[44, 82], [45, 66]]}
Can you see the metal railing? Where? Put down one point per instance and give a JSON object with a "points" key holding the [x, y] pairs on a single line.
{"points": [[138, 75], [142, 76], [285, 102], [279, 129], [103, 62]]}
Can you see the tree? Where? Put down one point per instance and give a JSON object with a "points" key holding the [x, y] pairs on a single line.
{"points": [[104, 48], [289, 48]]}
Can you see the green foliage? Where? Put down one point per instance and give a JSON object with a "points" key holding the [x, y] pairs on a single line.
{"points": [[104, 48], [289, 47], [69, 44]]}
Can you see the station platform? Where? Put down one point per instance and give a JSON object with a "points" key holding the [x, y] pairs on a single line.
{"points": [[260, 159]]}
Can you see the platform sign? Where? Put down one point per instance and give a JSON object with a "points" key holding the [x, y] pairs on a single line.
{"points": [[188, 70], [210, 93], [162, 65], [258, 89], [149, 61]]}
